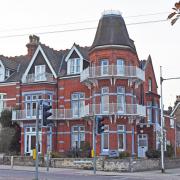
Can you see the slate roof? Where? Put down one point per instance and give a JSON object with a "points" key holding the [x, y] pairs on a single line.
{"points": [[8, 63], [112, 31], [22, 62], [54, 56]]}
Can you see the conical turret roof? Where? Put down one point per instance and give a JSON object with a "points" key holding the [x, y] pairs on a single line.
{"points": [[112, 31]]}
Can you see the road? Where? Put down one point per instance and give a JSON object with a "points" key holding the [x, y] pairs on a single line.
{"points": [[74, 174]]}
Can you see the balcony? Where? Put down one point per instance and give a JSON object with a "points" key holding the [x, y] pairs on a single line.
{"points": [[25, 115], [117, 109], [44, 77], [88, 110], [112, 71]]}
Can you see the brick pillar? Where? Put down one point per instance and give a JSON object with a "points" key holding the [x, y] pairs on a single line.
{"points": [[22, 141]]}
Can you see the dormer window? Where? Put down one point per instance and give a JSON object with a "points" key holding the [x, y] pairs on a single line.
{"points": [[74, 66], [40, 73]]}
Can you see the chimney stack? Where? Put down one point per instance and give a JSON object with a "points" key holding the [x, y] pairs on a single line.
{"points": [[32, 45]]}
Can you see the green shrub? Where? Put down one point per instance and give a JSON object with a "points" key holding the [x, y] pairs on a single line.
{"points": [[153, 154], [169, 151], [57, 155], [124, 154]]}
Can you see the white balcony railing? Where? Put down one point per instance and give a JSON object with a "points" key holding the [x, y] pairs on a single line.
{"points": [[88, 110], [124, 72], [25, 114], [117, 109], [38, 78]]}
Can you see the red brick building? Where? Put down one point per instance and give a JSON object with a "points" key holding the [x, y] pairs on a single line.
{"points": [[106, 79]]}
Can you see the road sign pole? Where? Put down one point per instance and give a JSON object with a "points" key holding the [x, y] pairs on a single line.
{"points": [[94, 144], [37, 139]]}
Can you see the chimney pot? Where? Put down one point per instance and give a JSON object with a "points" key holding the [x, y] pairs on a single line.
{"points": [[32, 45]]}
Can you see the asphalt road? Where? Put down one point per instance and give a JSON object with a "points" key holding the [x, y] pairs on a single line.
{"points": [[72, 174], [29, 175]]}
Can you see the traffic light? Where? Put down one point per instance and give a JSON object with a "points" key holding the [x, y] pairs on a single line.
{"points": [[46, 114], [100, 124]]}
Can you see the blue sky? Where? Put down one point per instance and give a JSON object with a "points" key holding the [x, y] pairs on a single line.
{"points": [[160, 40]]}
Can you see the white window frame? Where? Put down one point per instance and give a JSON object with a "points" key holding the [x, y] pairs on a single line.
{"points": [[78, 104], [104, 95], [40, 73], [106, 132], [149, 112], [2, 72], [171, 123], [150, 84], [74, 65], [2, 102], [31, 99], [104, 67], [120, 67], [28, 135], [80, 132], [121, 95], [122, 131]]}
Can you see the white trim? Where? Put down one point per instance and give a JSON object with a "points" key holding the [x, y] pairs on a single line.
{"points": [[9, 99], [68, 58], [110, 46], [39, 49], [71, 51], [9, 84], [68, 77]]}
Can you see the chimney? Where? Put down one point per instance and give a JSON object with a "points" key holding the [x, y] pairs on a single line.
{"points": [[32, 45]]}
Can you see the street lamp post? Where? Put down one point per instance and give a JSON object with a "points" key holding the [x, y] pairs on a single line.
{"points": [[162, 119], [162, 125]]}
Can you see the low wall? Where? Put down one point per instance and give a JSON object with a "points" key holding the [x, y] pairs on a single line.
{"points": [[119, 165]]}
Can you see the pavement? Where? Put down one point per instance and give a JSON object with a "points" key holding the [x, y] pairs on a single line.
{"points": [[170, 174]]}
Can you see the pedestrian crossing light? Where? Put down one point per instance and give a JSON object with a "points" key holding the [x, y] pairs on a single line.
{"points": [[46, 114], [99, 124]]}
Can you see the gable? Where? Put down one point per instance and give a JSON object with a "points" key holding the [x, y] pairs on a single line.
{"points": [[39, 58], [74, 55], [149, 73]]}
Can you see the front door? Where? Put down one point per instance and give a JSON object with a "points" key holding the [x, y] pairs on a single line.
{"points": [[30, 140], [142, 145]]}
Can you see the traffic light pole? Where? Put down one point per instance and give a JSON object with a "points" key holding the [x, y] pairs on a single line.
{"points": [[37, 139], [94, 144]]}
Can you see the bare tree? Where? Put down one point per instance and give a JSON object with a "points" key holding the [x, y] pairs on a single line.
{"points": [[174, 16]]}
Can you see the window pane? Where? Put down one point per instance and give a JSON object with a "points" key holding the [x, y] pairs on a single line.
{"points": [[120, 141], [104, 67], [120, 103], [120, 66], [33, 142], [106, 141], [120, 127], [77, 65]]}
